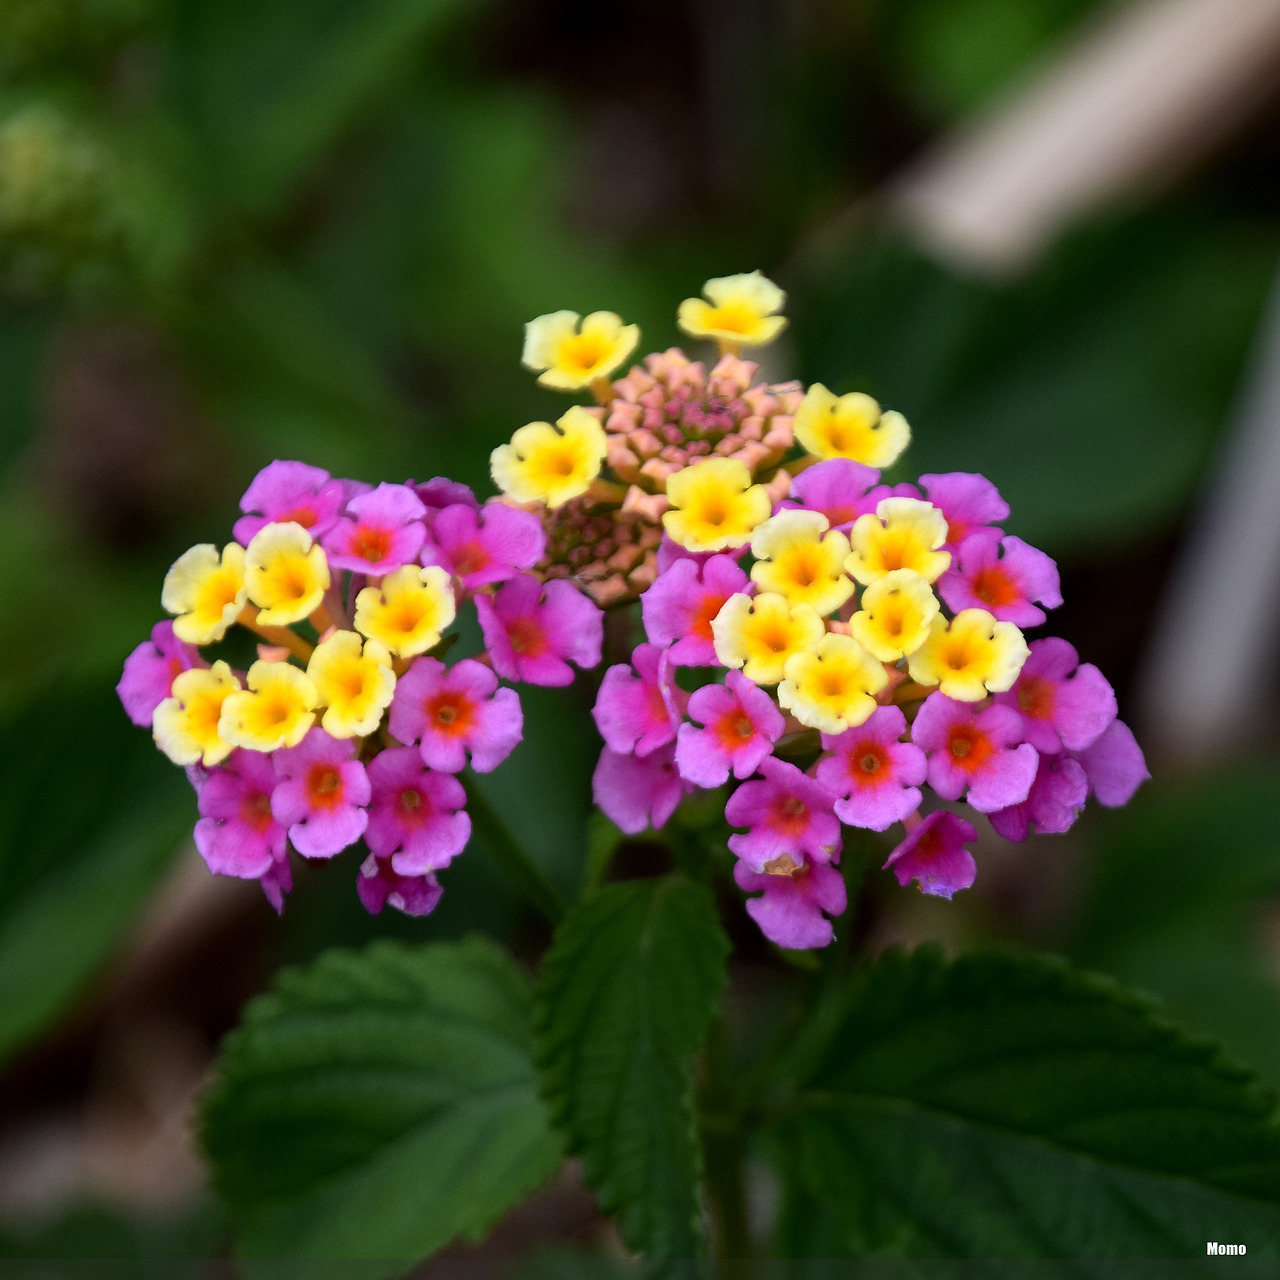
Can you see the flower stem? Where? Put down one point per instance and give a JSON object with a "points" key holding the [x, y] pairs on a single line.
{"points": [[520, 868]]}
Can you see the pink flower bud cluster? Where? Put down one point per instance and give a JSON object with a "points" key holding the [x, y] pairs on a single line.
{"points": [[1027, 758]]}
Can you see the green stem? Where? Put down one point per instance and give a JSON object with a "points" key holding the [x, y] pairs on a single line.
{"points": [[520, 868]]}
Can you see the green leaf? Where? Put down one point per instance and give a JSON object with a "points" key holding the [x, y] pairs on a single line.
{"points": [[378, 1104], [999, 1107], [90, 815], [627, 993]]}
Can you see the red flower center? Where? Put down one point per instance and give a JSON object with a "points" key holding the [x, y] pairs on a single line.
{"points": [[994, 586], [452, 714], [790, 816], [527, 636], [324, 786], [255, 812], [870, 764], [708, 607], [370, 543], [304, 516], [471, 558], [733, 729], [414, 807], [1035, 697], [970, 748]]}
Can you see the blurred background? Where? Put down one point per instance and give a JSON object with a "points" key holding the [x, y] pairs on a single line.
{"points": [[236, 230]]}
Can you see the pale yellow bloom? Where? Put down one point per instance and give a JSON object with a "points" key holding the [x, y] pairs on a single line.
{"points": [[354, 683], [742, 310], [896, 615], [904, 533], [571, 356], [972, 657], [206, 591], [832, 687], [185, 724], [714, 505], [794, 559], [850, 426], [275, 711], [408, 611], [286, 572], [760, 634], [551, 464]]}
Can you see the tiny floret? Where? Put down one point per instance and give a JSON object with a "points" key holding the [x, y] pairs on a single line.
{"points": [[551, 464], [714, 505], [904, 533], [354, 683], [832, 687], [973, 656], [185, 724], [206, 591], [735, 310], [896, 615], [408, 611], [275, 711], [569, 355], [286, 573], [851, 426], [759, 634], [798, 558]]}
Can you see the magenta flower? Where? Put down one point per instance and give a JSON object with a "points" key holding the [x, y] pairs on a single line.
{"points": [[680, 605], [876, 777], [284, 492], [1063, 702], [380, 885], [788, 813], [440, 492], [480, 547], [934, 855], [149, 672], [790, 912], [380, 531], [276, 881], [741, 725], [1007, 586], [976, 751], [532, 633], [1114, 765], [636, 792], [670, 551], [1054, 802], [834, 488], [639, 710], [968, 500], [237, 834], [416, 816], [456, 711], [321, 794], [866, 505]]}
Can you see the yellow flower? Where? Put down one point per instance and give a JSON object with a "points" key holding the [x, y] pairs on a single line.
{"points": [[850, 426], [974, 656], [286, 572], [275, 711], [206, 591], [408, 611], [760, 634], [833, 686], [543, 464], [896, 614], [714, 505], [572, 356], [904, 533], [354, 686], [742, 311], [185, 724], [795, 560]]}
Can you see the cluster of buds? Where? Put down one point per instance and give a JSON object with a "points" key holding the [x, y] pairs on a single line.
{"points": [[349, 726]]}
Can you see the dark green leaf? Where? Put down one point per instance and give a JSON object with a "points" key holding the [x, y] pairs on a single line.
{"points": [[627, 993], [379, 1103], [999, 1107]]}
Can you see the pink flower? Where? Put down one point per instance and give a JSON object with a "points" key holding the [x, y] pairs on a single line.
{"points": [[1054, 802], [968, 500], [453, 711], [670, 551], [788, 813], [741, 726], [237, 834], [1114, 765], [680, 605], [380, 885], [790, 912], [934, 855], [1063, 702], [866, 505], [1007, 586], [416, 816], [876, 777], [975, 751], [381, 531], [636, 792], [441, 492], [834, 488], [149, 672], [277, 881], [480, 547], [532, 633], [321, 794], [284, 492], [639, 711]]}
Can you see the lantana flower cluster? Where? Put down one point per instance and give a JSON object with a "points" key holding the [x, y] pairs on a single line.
{"points": [[349, 726]]}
